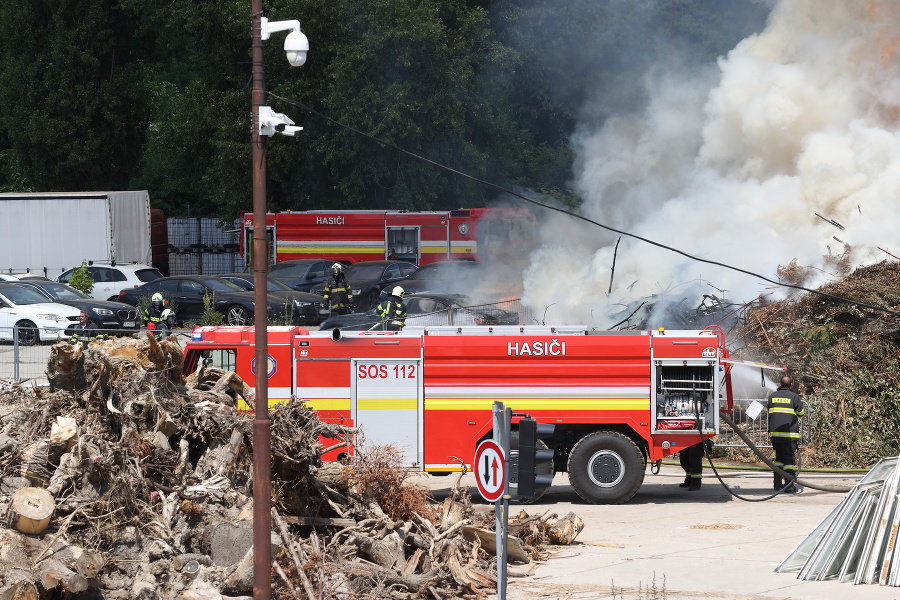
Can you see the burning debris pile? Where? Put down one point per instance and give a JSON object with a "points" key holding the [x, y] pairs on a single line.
{"points": [[125, 480], [845, 359]]}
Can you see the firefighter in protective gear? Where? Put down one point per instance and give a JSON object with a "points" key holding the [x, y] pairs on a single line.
{"points": [[337, 291], [392, 311], [691, 460], [160, 315], [785, 409]]}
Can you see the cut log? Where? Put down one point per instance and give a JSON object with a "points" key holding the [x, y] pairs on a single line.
{"points": [[31, 509], [565, 530], [488, 539]]}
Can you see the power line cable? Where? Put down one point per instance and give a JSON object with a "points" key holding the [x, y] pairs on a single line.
{"points": [[581, 217]]}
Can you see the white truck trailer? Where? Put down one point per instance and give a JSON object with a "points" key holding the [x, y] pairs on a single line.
{"points": [[48, 233]]}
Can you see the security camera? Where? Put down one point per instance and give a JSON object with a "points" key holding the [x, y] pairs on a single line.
{"points": [[271, 122], [295, 48]]}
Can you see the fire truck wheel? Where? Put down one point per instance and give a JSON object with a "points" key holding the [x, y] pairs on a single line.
{"points": [[606, 467], [237, 315]]}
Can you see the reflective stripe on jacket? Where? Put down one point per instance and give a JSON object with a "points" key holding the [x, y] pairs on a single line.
{"points": [[393, 311], [785, 408]]}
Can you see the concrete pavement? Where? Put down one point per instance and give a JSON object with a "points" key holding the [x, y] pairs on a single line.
{"points": [[670, 543]]}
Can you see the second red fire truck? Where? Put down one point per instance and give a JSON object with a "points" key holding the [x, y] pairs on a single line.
{"points": [[480, 234], [617, 399]]}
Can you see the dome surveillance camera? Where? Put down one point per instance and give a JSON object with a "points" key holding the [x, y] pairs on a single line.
{"points": [[295, 47]]}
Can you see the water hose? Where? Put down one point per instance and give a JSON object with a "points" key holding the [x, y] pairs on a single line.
{"points": [[765, 459]]}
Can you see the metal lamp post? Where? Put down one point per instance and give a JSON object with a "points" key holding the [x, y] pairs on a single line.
{"points": [[296, 47]]}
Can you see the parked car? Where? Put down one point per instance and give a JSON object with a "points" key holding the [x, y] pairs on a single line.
{"points": [[306, 307], [36, 318], [111, 278], [22, 277], [302, 274], [106, 314], [186, 293], [450, 276], [368, 278], [430, 310]]}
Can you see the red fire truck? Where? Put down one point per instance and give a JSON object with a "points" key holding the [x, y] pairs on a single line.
{"points": [[418, 237], [617, 399]]}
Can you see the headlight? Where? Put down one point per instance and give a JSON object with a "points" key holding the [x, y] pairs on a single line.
{"points": [[51, 317], [301, 303], [103, 311], [356, 292]]}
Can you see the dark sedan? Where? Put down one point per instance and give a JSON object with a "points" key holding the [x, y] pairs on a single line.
{"points": [[368, 278], [106, 314], [451, 277], [306, 308], [302, 274], [431, 310], [187, 293]]}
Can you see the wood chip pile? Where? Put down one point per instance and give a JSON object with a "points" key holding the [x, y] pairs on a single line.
{"points": [[126, 480], [845, 358]]}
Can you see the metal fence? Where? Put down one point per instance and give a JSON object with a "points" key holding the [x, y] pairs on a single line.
{"points": [[27, 360], [756, 429]]}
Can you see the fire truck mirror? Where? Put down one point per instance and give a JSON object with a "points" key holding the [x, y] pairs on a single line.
{"points": [[534, 464]]}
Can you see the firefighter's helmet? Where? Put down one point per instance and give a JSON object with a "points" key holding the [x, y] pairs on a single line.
{"points": [[398, 291], [337, 268], [157, 297]]}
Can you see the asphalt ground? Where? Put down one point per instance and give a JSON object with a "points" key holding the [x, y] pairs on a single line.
{"points": [[669, 543]]}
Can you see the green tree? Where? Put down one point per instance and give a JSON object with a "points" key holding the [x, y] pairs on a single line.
{"points": [[81, 279], [71, 110]]}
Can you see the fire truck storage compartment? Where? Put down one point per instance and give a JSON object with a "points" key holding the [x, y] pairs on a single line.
{"points": [[686, 392]]}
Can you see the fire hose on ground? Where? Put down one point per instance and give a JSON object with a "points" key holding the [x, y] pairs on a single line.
{"points": [[772, 465]]}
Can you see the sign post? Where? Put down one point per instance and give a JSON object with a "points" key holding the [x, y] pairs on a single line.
{"points": [[501, 422]]}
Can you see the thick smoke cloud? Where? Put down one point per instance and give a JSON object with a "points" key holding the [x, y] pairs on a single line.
{"points": [[733, 164]]}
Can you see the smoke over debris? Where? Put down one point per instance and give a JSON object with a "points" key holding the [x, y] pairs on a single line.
{"points": [[734, 165]]}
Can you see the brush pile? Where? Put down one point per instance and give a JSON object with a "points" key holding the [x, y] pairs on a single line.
{"points": [[845, 359], [126, 480]]}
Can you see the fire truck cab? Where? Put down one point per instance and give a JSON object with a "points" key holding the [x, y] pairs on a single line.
{"points": [[617, 399]]}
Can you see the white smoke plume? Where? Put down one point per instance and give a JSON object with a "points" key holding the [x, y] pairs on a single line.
{"points": [[732, 166]]}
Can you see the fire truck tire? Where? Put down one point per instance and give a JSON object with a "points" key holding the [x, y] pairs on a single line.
{"points": [[237, 315], [606, 467]]}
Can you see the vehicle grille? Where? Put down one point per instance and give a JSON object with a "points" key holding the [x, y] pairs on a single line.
{"points": [[318, 292], [319, 305], [127, 315]]}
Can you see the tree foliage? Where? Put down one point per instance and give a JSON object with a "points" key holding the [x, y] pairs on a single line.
{"points": [[130, 94]]}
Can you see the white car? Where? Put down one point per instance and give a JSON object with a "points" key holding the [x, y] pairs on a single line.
{"points": [[35, 318], [111, 278]]}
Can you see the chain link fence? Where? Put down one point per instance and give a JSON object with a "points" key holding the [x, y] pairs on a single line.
{"points": [[756, 429]]}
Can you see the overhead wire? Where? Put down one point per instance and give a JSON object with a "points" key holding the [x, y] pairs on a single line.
{"points": [[578, 216]]}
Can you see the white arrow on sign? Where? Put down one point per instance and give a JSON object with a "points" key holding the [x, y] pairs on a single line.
{"points": [[490, 466]]}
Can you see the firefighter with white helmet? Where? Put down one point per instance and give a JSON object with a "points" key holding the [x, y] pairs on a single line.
{"points": [[337, 291], [158, 316], [392, 311]]}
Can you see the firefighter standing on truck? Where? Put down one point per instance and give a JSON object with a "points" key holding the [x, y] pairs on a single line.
{"points": [[785, 408], [337, 291], [392, 311]]}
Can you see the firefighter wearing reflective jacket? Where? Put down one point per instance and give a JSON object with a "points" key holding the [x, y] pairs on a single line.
{"points": [[785, 409], [85, 330], [392, 311], [158, 316], [337, 291]]}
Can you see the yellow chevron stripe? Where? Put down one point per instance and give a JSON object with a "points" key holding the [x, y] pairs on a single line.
{"points": [[330, 249], [328, 403], [387, 403], [539, 403]]}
